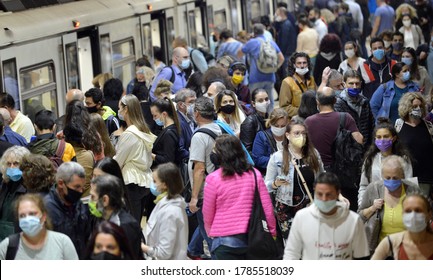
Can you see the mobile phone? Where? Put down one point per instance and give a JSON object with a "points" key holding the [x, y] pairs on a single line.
{"points": [[281, 178]]}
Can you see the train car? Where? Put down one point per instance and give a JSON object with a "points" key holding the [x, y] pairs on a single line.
{"points": [[47, 50]]}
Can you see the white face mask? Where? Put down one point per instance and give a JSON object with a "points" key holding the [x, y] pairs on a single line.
{"points": [[263, 106], [349, 53], [302, 71], [414, 222], [278, 131], [407, 23], [387, 44]]}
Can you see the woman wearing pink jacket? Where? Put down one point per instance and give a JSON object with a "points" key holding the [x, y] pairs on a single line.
{"points": [[228, 200]]}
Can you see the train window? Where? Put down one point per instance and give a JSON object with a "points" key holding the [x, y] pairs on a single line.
{"points": [[170, 34], [105, 54], [192, 29], [211, 24], [38, 89], [255, 9], [147, 40], [234, 16], [220, 18], [11, 81], [124, 60], [72, 65]]}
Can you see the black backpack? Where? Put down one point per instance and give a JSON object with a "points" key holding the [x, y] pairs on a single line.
{"points": [[347, 156]]}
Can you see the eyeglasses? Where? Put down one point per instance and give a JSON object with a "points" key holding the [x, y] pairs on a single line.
{"points": [[299, 133]]}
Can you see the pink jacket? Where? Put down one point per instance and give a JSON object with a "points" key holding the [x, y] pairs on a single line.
{"points": [[228, 202]]}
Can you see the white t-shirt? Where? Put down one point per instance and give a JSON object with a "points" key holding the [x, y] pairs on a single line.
{"points": [[58, 246]]}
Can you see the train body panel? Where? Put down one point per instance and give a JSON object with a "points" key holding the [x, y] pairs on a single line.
{"points": [[46, 51]]}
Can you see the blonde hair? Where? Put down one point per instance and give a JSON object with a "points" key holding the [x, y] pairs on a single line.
{"points": [[17, 151], [276, 115], [163, 86], [100, 79], [399, 12], [135, 114], [405, 104], [148, 73], [235, 115]]}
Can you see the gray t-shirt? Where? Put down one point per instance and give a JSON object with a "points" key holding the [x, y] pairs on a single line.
{"points": [[58, 246], [200, 150]]}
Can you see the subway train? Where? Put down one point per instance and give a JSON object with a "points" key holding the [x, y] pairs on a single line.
{"points": [[44, 51]]}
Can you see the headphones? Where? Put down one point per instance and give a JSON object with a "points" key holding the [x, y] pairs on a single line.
{"points": [[230, 70]]}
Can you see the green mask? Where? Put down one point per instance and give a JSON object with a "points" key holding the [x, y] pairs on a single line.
{"points": [[94, 209]]}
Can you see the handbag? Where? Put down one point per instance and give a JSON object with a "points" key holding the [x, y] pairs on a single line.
{"points": [[372, 230], [261, 244], [303, 180]]}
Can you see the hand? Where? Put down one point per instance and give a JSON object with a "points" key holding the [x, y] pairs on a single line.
{"points": [[193, 205], [144, 247], [378, 203], [325, 74], [153, 156], [280, 182]]}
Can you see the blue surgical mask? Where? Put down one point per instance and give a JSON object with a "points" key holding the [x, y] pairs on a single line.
{"points": [[31, 225], [15, 174], [379, 54], [406, 76], [190, 110], [154, 189], [392, 185], [353, 92], [121, 117], [325, 206], [159, 122], [407, 60], [185, 64]]}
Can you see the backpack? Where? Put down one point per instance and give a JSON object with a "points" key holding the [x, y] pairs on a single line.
{"points": [[347, 156], [267, 61], [56, 159], [184, 166]]}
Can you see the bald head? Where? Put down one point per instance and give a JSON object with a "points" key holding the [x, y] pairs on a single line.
{"points": [[326, 97], [74, 94], [6, 115], [180, 54]]}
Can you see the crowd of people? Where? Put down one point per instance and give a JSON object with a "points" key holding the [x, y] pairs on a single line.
{"points": [[168, 166]]}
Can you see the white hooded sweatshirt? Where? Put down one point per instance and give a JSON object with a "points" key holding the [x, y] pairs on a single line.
{"points": [[315, 236]]}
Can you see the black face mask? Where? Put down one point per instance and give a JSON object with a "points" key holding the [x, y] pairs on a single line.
{"points": [[215, 160], [104, 256], [73, 196], [92, 109], [228, 109]]}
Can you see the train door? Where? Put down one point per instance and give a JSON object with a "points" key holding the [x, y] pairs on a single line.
{"points": [[170, 32], [146, 36], [236, 15], [158, 36], [89, 56], [71, 63]]}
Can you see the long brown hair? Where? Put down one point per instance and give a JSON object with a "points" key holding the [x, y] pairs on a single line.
{"points": [[308, 151]]}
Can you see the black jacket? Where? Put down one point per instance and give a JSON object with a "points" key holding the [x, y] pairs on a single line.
{"points": [[364, 121], [249, 128], [75, 221], [166, 147]]}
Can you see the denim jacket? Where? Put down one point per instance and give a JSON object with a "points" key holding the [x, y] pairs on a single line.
{"points": [[380, 102]]}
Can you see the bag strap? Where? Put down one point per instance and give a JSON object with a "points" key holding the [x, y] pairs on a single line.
{"points": [[272, 143], [390, 246], [14, 241], [299, 85], [207, 131], [342, 121], [61, 148], [302, 180]]}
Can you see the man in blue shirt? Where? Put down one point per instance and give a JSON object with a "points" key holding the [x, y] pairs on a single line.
{"points": [[258, 79], [198, 60], [8, 134], [181, 62]]}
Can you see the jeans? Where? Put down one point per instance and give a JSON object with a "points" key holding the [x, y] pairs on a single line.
{"points": [[195, 246], [268, 86], [199, 214]]}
